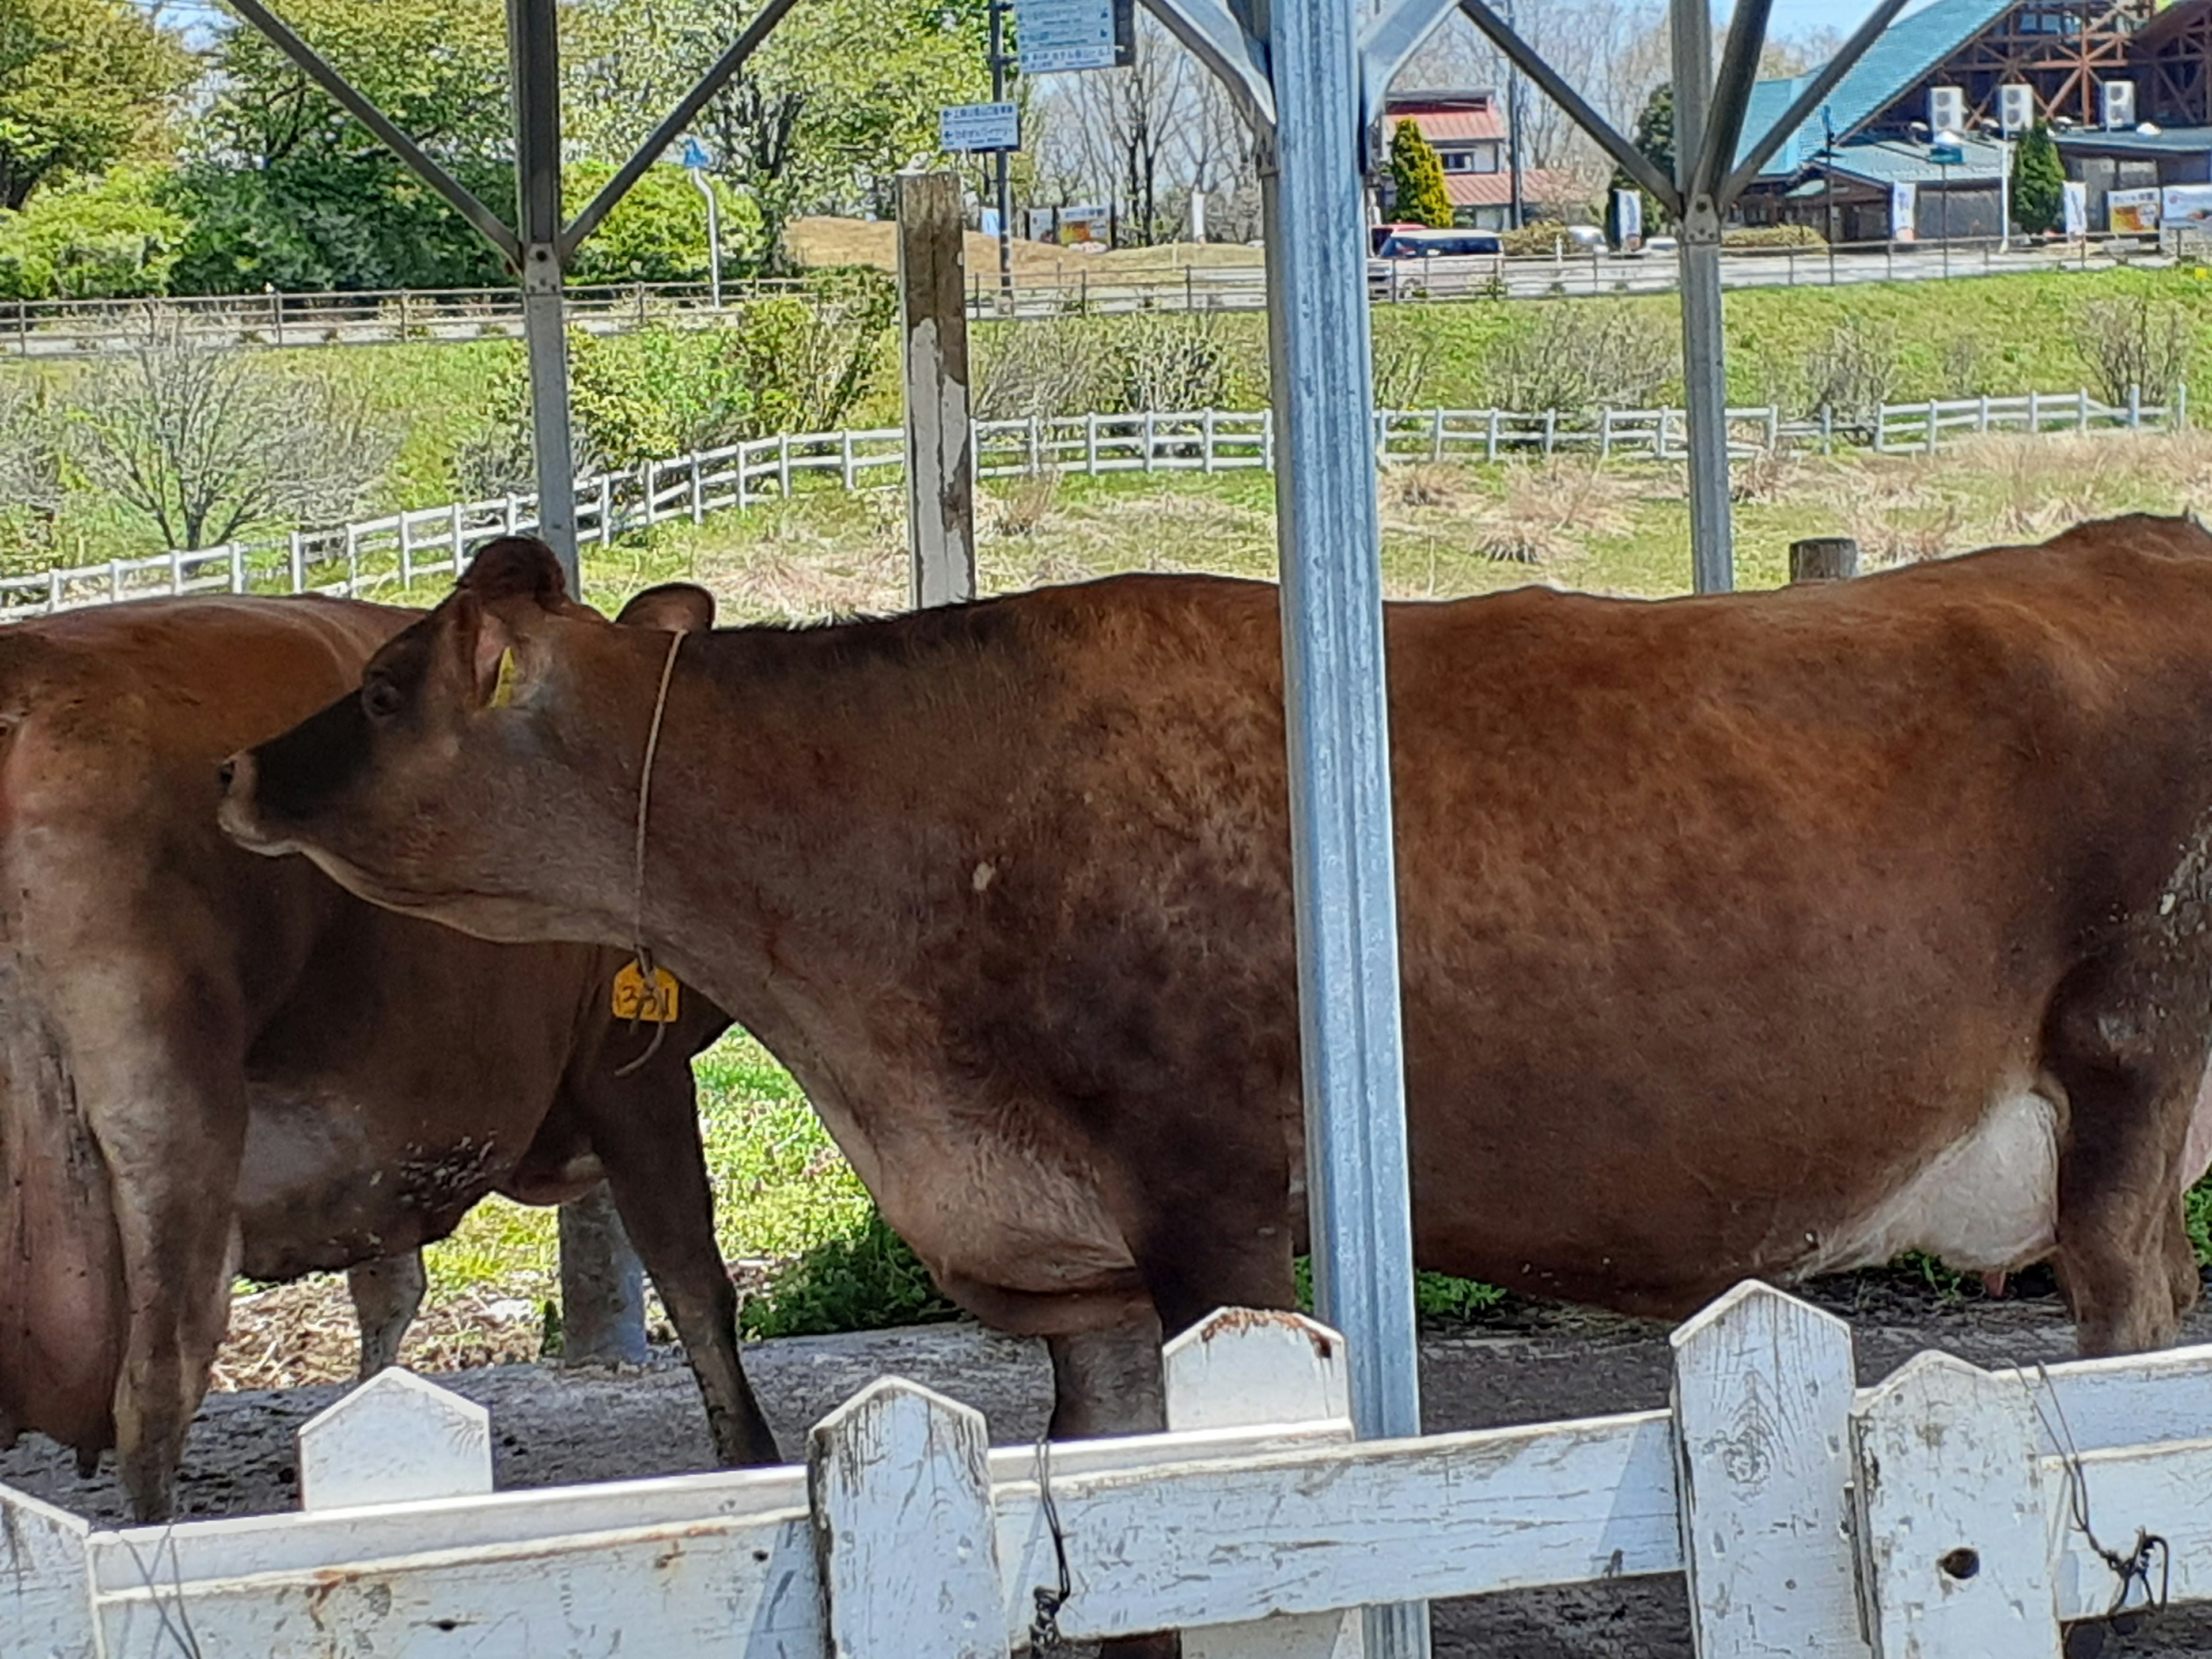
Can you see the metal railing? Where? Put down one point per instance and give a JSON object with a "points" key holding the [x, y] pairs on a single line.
{"points": [[64, 328], [393, 551]]}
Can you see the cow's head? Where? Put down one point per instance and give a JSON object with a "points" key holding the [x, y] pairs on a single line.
{"points": [[469, 769]]}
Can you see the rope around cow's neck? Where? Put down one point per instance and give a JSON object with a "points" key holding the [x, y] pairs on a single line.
{"points": [[648, 977]]}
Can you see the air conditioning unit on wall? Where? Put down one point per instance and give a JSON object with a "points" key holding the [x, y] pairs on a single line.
{"points": [[2118, 100], [1947, 109], [2015, 107]]}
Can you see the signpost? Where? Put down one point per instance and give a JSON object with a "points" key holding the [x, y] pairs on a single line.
{"points": [[697, 160], [967, 129], [1072, 34]]}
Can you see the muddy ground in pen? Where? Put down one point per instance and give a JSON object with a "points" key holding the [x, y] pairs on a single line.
{"points": [[553, 1425]]}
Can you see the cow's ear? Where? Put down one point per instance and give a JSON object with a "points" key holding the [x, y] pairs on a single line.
{"points": [[517, 568], [674, 607]]}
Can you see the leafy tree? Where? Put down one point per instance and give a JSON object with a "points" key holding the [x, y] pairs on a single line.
{"points": [[1418, 178], [83, 84], [2038, 182], [110, 237], [286, 189], [841, 98]]}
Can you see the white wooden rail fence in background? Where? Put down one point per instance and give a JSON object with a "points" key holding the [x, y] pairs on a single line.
{"points": [[377, 555], [1934, 1515]]}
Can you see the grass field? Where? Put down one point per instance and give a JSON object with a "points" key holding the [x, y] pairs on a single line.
{"points": [[1994, 335]]}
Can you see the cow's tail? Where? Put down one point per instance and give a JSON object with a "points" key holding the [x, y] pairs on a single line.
{"points": [[61, 1293]]}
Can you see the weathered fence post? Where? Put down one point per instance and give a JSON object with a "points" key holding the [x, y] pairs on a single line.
{"points": [[1951, 1515], [602, 1284], [900, 1485], [940, 443], [1237, 1368], [1762, 1399], [298, 562], [1823, 558], [395, 1439], [46, 1609]]}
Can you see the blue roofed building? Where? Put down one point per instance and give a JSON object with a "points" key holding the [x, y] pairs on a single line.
{"points": [[1912, 141]]}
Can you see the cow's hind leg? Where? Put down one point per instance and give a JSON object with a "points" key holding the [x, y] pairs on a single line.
{"points": [[163, 1090], [387, 1294], [2127, 1040]]}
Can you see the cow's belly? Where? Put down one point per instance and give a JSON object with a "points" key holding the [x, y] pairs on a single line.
{"points": [[324, 1184], [1986, 1202]]}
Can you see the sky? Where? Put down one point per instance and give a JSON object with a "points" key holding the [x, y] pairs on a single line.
{"points": [[1805, 16]]}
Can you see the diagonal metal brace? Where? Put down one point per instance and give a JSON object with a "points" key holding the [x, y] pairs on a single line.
{"points": [[1630, 159], [464, 200], [672, 127], [1218, 38], [1808, 102], [1731, 98], [1389, 39]]}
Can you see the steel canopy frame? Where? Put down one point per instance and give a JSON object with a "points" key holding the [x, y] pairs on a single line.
{"points": [[539, 247], [1709, 118]]}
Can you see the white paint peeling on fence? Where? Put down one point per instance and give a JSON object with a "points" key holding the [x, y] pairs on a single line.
{"points": [[376, 555], [1963, 1492]]}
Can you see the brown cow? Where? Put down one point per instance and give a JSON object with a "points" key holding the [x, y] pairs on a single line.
{"points": [[1762, 935], [210, 1063]]}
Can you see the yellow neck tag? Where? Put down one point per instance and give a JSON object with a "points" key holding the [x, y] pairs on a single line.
{"points": [[632, 1001], [503, 690]]}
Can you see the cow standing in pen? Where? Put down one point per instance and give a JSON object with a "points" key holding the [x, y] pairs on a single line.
{"points": [[1007, 887], [212, 1064]]}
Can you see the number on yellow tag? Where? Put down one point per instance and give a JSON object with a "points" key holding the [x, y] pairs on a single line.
{"points": [[633, 1001]]}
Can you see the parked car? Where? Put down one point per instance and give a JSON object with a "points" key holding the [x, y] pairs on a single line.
{"points": [[1423, 261], [1583, 239]]}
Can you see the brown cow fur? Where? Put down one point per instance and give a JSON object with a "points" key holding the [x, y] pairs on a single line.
{"points": [[211, 1063], [1724, 920]]}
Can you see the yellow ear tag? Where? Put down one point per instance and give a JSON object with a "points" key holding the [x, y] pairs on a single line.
{"points": [[633, 1001], [503, 690]]}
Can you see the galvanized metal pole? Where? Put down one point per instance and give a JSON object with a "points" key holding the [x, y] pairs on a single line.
{"points": [[534, 57], [1337, 709], [1001, 63], [1704, 371]]}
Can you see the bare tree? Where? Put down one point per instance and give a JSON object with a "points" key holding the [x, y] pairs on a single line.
{"points": [[30, 471], [204, 442], [1123, 132]]}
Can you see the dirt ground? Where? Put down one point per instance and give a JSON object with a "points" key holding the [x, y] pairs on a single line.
{"points": [[553, 1425]]}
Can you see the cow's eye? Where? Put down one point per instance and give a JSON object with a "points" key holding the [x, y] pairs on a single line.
{"points": [[380, 700]]}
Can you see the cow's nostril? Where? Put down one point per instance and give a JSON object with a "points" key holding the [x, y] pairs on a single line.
{"points": [[226, 771]]}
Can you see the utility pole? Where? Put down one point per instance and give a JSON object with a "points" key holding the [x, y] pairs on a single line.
{"points": [[1000, 63], [1516, 215]]}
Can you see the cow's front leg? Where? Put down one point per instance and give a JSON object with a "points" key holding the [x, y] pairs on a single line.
{"points": [[162, 1082], [387, 1294], [644, 1128]]}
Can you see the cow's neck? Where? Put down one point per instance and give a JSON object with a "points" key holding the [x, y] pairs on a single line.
{"points": [[805, 804]]}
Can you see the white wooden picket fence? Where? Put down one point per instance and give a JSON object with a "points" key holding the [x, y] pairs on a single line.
{"points": [[1948, 1512], [391, 553]]}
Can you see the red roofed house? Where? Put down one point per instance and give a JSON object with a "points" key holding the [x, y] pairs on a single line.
{"points": [[1468, 132]]}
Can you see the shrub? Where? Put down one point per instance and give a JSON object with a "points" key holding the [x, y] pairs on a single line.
{"points": [[658, 231], [2136, 342], [1773, 236], [1852, 372], [865, 1280], [789, 363], [1584, 355]]}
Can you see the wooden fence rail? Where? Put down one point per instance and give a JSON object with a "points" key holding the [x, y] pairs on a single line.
{"points": [[1940, 1513], [377, 556]]}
